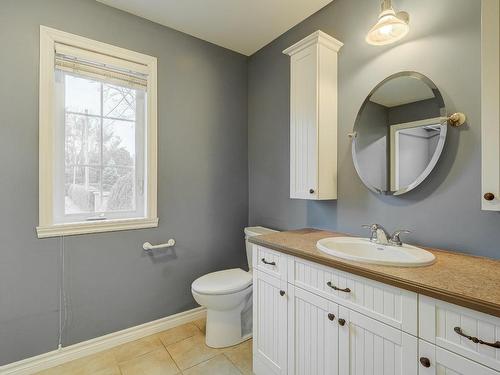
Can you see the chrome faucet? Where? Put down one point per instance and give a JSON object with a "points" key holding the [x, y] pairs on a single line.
{"points": [[380, 236]]}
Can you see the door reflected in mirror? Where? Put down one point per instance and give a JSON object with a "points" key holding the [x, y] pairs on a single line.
{"points": [[399, 133]]}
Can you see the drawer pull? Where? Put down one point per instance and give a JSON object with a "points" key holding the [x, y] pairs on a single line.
{"points": [[475, 340], [331, 316], [282, 293], [346, 290], [342, 322], [266, 262], [426, 362]]}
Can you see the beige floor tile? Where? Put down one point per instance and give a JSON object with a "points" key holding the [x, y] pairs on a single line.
{"points": [[101, 363], [241, 356], [136, 348], [201, 324], [191, 351], [179, 333], [157, 362], [218, 365]]}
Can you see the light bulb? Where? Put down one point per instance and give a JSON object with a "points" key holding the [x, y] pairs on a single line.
{"points": [[387, 29], [390, 27]]}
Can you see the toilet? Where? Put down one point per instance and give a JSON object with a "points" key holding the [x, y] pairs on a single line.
{"points": [[227, 295]]}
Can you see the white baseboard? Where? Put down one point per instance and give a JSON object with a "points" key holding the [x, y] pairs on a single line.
{"points": [[69, 353]]}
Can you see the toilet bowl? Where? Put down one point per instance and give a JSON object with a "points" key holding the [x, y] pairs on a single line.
{"points": [[227, 296]]}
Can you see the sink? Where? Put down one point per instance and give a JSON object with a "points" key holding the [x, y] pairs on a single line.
{"points": [[363, 250]]}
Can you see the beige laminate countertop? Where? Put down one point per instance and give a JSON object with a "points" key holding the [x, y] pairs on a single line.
{"points": [[465, 280]]}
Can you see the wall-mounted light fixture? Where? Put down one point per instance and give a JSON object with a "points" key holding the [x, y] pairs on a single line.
{"points": [[390, 27]]}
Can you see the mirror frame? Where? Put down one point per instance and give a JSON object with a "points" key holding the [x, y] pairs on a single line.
{"points": [[439, 147]]}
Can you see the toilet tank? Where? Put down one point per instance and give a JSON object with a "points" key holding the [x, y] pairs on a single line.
{"points": [[250, 232]]}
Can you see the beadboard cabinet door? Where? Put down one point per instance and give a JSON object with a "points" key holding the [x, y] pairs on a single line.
{"points": [[270, 325], [437, 361], [313, 334], [490, 105], [367, 346], [313, 117]]}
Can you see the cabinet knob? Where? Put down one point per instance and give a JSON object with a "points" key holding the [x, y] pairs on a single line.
{"points": [[282, 293], [331, 316], [489, 196], [425, 362], [342, 322], [311, 191]]}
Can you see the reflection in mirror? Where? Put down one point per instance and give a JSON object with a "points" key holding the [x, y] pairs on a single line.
{"points": [[399, 133]]}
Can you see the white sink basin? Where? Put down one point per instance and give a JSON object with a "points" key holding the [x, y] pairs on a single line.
{"points": [[363, 250]]}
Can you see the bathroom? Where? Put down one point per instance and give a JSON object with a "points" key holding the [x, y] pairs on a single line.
{"points": [[215, 87]]}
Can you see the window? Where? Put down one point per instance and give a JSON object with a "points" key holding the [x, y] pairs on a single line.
{"points": [[97, 136]]}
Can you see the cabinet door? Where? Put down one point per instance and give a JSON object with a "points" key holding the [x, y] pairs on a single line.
{"points": [[367, 346], [303, 124], [313, 334], [438, 324], [490, 111], [437, 361], [269, 325]]}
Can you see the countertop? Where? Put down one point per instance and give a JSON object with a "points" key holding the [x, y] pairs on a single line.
{"points": [[465, 280]]}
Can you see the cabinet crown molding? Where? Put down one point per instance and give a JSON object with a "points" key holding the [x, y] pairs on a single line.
{"points": [[318, 37]]}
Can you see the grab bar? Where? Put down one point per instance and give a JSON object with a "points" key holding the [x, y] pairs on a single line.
{"points": [[148, 247]]}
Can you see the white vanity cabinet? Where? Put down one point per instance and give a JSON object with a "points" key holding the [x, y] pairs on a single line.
{"points": [[367, 346], [270, 307], [312, 335], [444, 362], [311, 319], [313, 117]]}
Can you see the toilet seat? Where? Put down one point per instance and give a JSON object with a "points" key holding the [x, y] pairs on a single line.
{"points": [[223, 282]]}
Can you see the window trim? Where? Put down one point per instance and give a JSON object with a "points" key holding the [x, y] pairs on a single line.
{"points": [[47, 228]]}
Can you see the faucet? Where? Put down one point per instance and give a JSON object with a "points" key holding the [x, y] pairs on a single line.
{"points": [[380, 236]]}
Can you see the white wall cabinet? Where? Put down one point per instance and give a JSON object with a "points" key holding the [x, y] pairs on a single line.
{"points": [[303, 328], [313, 117], [490, 105]]}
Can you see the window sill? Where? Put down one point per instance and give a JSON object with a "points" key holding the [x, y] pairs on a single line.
{"points": [[71, 229]]}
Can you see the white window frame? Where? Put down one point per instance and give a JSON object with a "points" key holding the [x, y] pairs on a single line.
{"points": [[47, 228]]}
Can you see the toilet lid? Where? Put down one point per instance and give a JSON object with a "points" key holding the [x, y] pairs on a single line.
{"points": [[223, 282]]}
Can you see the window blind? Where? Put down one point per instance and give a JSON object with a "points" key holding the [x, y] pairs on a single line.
{"points": [[101, 67]]}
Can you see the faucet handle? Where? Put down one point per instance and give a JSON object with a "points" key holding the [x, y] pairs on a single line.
{"points": [[373, 230], [395, 239]]}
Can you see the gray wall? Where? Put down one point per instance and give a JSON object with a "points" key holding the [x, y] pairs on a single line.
{"points": [[203, 184], [445, 211]]}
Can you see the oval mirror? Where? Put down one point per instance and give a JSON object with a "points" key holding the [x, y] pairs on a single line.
{"points": [[399, 133]]}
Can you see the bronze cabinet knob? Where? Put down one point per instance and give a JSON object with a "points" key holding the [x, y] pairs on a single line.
{"points": [[489, 196], [282, 293], [425, 362], [331, 316], [342, 321], [311, 191]]}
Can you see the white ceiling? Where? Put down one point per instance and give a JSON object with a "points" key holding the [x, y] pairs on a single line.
{"points": [[401, 91], [243, 26]]}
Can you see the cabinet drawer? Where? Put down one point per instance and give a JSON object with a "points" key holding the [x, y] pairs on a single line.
{"points": [[443, 362], [390, 305], [270, 261], [439, 322]]}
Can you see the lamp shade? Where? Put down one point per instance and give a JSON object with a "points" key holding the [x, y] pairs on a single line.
{"points": [[391, 27]]}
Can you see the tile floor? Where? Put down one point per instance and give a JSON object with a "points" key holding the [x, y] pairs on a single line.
{"points": [[180, 350]]}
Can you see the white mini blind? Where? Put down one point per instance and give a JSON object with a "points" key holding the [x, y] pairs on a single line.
{"points": [[101, 67]]}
